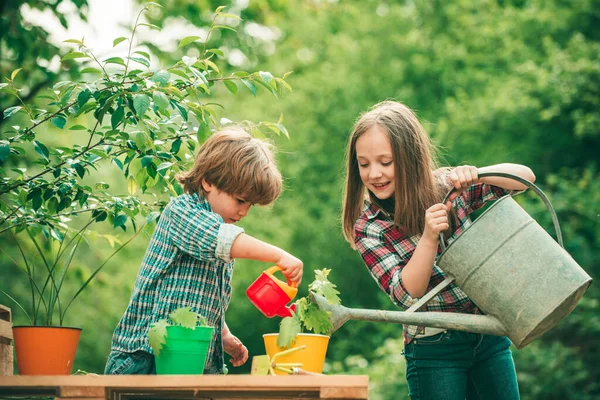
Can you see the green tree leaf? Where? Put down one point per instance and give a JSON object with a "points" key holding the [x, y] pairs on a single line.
{"points": [[160, 100], [187, 40], [41, 149], [4, 150], [231, 86], [74, 54], [59, 121], [161, 77], [118, 40], [10, 111], [115, 60], [141, 102], [250, 86]]}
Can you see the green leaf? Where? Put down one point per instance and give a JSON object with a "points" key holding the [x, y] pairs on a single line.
{"points": [[216, 52], [160, 100], [10, 111], [231, 86], [157, 334], [165, 165], [185, 317], [161, 77], [289, 328], [142, 53], [323, 287], [228, 15], [187, 40], [118, 40], [4, 150], [317, 320], [14, 74], [74, 54], [83, 97], [41, 149], [117, 117], [115, 60], [59, 121], [76, 41], [203, 132], [141, 60], [141, 102], [77, 128], [52, 205], [229, 28], [120, 220], [132, 185], [266, 76], [90, 70], [151, 26], [250, 86]]}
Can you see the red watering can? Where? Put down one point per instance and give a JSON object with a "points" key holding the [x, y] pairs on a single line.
{"points": [[270, 295]]}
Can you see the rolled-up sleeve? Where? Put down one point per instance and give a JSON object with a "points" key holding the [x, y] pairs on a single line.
{"points": [[477, 195], [384, 262], [200, 233]]}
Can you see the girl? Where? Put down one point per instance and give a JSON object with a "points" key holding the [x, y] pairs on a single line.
{"points": [[396, 229]]}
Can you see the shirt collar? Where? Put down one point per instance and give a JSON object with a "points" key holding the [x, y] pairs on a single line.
{"points": [[371, 211]]}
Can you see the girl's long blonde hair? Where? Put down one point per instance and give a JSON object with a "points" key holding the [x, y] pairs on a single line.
{"points": [[414, 157]]}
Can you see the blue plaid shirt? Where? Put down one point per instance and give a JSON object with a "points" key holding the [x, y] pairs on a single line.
{"points": [[187, 264]]}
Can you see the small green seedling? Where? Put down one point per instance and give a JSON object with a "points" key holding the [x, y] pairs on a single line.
{"points": [[308, 314], [184, 316]]}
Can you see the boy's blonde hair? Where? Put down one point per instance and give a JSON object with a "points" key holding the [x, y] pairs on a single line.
{"points": [[236, 163]]}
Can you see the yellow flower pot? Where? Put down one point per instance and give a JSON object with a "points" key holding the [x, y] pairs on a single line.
{"points": [[312, 357]]}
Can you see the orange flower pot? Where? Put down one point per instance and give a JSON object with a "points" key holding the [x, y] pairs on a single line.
{"points": [[45, 350]]}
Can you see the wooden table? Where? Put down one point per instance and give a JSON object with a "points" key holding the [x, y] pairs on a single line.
{"points": [[77, 387]]}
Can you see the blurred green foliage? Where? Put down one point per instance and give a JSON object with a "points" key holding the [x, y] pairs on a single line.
{"points": [[493, 81]]}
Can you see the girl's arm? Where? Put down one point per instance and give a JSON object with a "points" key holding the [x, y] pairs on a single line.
{"points": [[246, 246], [507, 183], [417, 272]]}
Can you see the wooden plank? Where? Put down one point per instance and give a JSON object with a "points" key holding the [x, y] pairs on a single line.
{"points": [[6, 337], [6, 360], [188, 386], [5, 313], [6, 332]]}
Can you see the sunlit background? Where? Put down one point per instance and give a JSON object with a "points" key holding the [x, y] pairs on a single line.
{"points": [[492, 81]]}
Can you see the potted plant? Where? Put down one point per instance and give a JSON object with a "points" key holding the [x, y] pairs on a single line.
{"points": [[180, 343], [308, 317], [143, 123]]}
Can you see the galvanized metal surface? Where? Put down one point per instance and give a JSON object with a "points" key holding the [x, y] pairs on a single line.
{"points": [[514, 271]]}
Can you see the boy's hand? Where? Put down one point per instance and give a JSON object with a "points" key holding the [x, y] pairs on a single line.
{"points": [[235, 348], [291, 267], [462, 178], [436, 221]]}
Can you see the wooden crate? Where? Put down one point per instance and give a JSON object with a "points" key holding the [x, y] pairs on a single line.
{"points": [[6, 338]]}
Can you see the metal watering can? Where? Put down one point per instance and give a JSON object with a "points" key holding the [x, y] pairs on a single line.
{"points": [[512, 269]]}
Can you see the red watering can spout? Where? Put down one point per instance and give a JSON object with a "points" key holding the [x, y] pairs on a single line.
{"points": [[286, 311]]}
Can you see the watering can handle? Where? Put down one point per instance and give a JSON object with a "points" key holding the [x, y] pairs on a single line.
{"points": [[530, 185]]}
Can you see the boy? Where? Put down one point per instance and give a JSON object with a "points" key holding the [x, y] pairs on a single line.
{"points": [[189, 261]]}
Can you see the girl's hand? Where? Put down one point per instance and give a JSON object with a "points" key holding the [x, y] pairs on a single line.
{"points": [[291, 267], [235, 348], [436, 221], [462, 178]]}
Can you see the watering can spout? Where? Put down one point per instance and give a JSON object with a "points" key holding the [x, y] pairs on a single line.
{"points": [[455, 321]]}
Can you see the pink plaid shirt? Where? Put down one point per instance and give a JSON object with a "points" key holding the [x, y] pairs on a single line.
{"points": [[386, 250]]}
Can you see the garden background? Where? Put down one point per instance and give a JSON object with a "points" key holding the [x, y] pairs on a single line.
{"points": [[493, 81]]}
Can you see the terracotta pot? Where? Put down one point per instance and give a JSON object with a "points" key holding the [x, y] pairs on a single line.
{"points": [[45, 350]]}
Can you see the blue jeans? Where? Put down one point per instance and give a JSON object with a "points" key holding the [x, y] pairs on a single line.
{"points": [[138, 363], [456, 365]]}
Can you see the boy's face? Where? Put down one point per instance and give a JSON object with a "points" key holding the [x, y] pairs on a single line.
{"points": [[231, 208]]}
